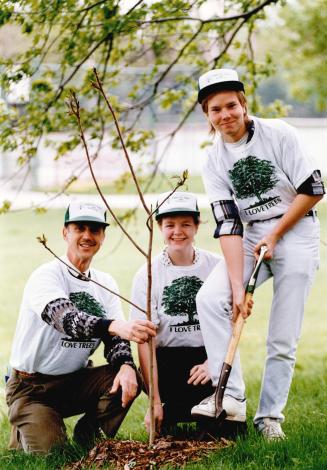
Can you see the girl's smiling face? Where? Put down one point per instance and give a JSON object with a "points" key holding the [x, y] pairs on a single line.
{"points": [[178, 231]]}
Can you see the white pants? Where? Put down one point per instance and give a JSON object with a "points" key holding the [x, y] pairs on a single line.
{"points": [[295, 260]]}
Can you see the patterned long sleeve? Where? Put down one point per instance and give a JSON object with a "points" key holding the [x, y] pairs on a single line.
{"points": [[117, 352], [64, 316]]}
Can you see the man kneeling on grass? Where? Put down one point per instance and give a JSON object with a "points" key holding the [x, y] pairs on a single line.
{"points": [[63, 318]]}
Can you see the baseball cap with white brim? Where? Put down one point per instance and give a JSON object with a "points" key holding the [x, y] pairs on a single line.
{"points": [[85, 212], [218, 80], [177, 204]]}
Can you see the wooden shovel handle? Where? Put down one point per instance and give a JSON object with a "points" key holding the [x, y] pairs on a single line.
{"points": [[236, 334]]}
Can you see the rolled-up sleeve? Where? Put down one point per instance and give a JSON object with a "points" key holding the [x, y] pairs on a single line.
{"points": [[227, 218], [312, 186], [220, 195]]}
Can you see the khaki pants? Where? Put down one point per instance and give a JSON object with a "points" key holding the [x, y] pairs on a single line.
{"points": [[293, 267], [38, 404]]}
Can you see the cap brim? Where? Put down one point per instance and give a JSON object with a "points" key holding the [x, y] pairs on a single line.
{"points": [[87, 219], [176, 212], [208, 90]]}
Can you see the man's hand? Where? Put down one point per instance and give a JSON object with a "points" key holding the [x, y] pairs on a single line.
{"points": [[139, 331], [199, 374], [269, 241], [126, 379], [158, 417]]}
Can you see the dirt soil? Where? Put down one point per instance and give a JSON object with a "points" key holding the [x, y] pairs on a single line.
{"points": [[127, 455]]}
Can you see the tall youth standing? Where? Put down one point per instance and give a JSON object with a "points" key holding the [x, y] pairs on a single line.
{"points": [[257, 173]]}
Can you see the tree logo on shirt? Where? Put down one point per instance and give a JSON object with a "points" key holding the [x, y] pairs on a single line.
{"points": [[179, 298], [252, 177], [87, 303]]}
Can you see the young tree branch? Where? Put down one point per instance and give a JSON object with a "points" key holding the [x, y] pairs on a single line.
{"points": [[75, 111], [98, 86], [180, 183], [43, 240], [216, 19]]}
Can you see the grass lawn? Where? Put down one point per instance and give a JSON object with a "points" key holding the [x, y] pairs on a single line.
{"points": [[306, 423]]}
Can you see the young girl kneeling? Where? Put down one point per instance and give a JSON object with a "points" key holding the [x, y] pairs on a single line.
{"points": [[181, 375]]}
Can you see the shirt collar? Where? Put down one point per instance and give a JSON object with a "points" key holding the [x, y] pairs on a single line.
{"points": [[74, 271], [166, 261], [250, 129]]}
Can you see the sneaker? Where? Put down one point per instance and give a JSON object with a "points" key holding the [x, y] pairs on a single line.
{"points": [[271, 429], [235, 409]]}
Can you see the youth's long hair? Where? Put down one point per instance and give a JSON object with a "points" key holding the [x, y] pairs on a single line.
{"points": [[241, 98]]}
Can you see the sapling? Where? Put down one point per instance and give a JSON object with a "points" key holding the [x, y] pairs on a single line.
{"points": [[76, 111]]}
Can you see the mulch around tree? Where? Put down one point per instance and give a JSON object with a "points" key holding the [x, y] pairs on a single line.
{"points": [[128, 455]]}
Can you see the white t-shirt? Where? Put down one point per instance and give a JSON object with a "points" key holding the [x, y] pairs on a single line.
{"points": [[39, 347], [173, 297], [262, 175]]}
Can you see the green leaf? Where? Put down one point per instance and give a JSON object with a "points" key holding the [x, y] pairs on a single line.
{"points": [[6, 205]]}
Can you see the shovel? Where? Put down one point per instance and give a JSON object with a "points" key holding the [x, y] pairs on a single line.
{"points": [[233, 343]]}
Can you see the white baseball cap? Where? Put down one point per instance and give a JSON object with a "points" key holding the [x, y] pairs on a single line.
{"points": [[178, 203], [217, 80], [85, 212]]}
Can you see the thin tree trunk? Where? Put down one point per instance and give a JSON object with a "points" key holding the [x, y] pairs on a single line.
{"points": [[151, 344], [75, 110]]}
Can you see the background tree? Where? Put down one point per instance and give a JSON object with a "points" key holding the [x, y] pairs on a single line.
{"points": [[306, 46], [252, 177], [298, 43], [148, 54], [179, 297]]}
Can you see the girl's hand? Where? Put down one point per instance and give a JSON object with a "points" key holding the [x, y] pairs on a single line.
{"points": [[199, 374], [158, 417]]}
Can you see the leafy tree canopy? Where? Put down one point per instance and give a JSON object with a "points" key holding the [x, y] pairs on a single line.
{"points": [[148, 54], [303, 38]]}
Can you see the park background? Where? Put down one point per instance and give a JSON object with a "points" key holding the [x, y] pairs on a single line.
{"points": [[36, 186]]}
